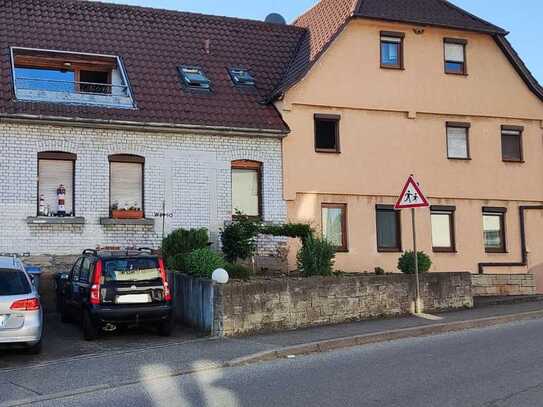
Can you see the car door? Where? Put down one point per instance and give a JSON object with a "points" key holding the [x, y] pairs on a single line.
{"points": [[83, 284], [68, 289]]}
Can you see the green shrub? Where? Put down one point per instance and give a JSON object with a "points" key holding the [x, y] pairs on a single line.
{"points": [[379, 271], [316, 257], [182, 241], [176, 263], [406, 262], [239, 271], [203, 262], [238, 238], [300, 230]]}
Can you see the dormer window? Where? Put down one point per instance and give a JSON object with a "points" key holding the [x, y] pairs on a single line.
{"points": [[194, 78], [241, 77], [65, 77]]}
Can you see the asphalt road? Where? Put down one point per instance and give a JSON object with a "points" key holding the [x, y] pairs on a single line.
{"points": [[493, 367]]}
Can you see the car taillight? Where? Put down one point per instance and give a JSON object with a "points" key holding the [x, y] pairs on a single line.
{"points": [[31, 304], [95, 287], [167, 292]]}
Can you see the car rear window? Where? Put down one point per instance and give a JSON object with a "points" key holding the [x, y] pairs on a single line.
{"points": [[145, 269], [13, 282]]}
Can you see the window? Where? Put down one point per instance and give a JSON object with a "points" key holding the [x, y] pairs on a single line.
{"points": [[334, 225], [64, 77], [512, 143], [126, 181], [494, 229], [443, 228], [194, 78], [56, 172], [388, 229], [241, 77], [455, 56], [246, 188], [458, 140], [327, 133], [84, 273], [392, 49], [76, 270]]}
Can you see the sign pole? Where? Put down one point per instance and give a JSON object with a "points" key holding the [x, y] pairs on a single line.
{"points": [[416, 257]]}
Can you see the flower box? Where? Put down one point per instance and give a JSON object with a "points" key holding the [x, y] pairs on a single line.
{"points": [[128, 214]]}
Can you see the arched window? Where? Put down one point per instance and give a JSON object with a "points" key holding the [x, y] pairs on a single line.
{"points": [[126, 186], [247, 187], [56, 186]]}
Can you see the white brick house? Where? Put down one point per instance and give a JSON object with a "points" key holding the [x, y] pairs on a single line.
{"points": [[98, 118], [191, 173]]}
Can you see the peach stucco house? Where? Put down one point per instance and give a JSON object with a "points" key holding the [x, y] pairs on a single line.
{"points": [[381, 89]]}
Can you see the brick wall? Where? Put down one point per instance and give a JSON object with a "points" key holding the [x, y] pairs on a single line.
{"points": [[489, 285], [190, 172], [290, 303]]}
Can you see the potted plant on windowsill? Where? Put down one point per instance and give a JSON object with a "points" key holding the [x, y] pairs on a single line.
{"points": [[132, 212]]}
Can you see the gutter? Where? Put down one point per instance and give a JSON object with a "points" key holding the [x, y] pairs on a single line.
{"points": [[139, 126], [523, 246]]}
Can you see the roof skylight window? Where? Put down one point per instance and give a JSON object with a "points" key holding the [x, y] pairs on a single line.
{"points": [[241, 77], [195, 78]]}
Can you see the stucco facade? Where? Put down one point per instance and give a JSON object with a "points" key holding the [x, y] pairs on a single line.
{"points": [[393, 124]]}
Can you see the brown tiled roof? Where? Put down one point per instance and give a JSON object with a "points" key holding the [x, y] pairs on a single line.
{"points": [[152, 44]]}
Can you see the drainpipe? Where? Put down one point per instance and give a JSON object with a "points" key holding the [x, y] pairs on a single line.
{"points": [[523, 249]]}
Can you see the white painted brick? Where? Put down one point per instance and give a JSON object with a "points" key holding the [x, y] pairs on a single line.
{"points": [[191, 172]]}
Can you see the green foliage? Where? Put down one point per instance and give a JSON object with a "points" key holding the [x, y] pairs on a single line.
{"points": [[203, 262], [379, 271], [238, 238], [295, 230], [182, 241], [176, 263], [239, 271], [316, 257], [406, 262]]}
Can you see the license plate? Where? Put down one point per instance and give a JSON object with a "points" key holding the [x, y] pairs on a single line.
{"points": [[133, 299]]}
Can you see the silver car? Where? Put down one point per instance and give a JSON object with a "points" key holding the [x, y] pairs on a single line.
{"points": [[21, 314]]}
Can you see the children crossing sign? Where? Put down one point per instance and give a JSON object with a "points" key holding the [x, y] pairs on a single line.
{"points": [[411, 196]]}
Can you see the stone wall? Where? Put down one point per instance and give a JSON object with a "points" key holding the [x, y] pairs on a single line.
{"points": [[289, 303], [490, 285], [191, 172]]}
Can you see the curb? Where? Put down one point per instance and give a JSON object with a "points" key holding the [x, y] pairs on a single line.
{"points": [[366, 339]]}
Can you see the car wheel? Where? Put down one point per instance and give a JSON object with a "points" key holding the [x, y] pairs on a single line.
{"points": [[90, 330], [165, 328], [34, 349]]}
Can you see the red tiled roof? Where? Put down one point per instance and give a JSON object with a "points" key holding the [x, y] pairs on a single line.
{"points": [[152, 44]]}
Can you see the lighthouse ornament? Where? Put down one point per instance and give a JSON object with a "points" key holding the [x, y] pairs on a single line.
{"points": [[42, 206], [61, 200]]}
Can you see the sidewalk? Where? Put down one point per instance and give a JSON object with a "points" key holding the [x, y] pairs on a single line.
{"points": [[119, 367]]}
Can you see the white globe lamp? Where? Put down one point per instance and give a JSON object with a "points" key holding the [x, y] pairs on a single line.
{"points": [[220, 276]]}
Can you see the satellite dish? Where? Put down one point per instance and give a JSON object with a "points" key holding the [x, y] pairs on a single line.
{"points": [[275, 18]]}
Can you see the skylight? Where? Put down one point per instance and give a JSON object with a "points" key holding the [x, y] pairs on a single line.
{"points": [[194, 77], [241, 77]]}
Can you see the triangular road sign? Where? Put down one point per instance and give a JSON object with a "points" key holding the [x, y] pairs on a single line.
{"points": [[411, 196]]}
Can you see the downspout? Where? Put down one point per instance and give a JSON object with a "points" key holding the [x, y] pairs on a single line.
{"points": [[523, 246]]}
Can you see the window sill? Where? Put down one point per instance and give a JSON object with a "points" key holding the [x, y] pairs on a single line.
{"points": [[55, 220], [327, 151], [114, 222], [456, 74], [496, 251], [514, 161], [385, 250], [393, 67], [341, 250], [459, 158], [444, 250]]}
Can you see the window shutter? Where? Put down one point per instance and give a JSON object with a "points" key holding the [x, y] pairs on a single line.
{"points": [[391, 39], [454, 52], [126, 184], [457, 142], [53, 173]]}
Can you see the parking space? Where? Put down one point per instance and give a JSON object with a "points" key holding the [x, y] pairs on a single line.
{"points": [[64, 341]]}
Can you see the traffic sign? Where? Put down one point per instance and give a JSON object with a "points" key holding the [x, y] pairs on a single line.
{"points": [[411, 196]]}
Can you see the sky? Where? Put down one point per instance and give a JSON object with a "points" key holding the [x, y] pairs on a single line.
{"points": [[521, 17]]}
